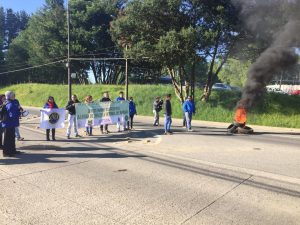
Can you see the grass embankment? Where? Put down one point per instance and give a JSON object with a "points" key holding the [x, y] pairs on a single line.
{"points": [[273, 110]]}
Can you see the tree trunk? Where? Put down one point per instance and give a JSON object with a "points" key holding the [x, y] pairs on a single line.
{"points": [[178, 89]]}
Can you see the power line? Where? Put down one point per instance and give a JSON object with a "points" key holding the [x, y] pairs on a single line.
{"points": [[32, 67]]}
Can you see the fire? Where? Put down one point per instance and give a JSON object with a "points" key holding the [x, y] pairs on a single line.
{"points": [[240, 115]]}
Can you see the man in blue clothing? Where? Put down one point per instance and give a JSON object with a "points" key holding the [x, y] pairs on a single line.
{"points": [[168, 115], [188, 108], [121, 98], [8, 124]]}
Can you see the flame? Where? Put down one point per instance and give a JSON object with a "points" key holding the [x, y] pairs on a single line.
{"points": [[240, 115]]}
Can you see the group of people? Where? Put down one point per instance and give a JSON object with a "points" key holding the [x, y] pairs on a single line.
{"points": [[188, 108], [9, 125], [103, 128]]}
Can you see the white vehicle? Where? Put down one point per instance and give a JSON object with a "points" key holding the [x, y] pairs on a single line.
{"points": [[221, 86]]}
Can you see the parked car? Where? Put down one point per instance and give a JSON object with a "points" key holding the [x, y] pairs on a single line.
{"points": [[221, 86], [275, 90], [295, 92]]}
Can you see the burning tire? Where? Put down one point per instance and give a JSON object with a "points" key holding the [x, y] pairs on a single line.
{"points": [[241, 130]]}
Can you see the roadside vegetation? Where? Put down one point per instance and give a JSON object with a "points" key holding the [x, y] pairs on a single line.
{"points": [[273, 109]]}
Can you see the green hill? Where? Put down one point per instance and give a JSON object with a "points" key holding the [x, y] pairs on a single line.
{"points": [[273, 109]]}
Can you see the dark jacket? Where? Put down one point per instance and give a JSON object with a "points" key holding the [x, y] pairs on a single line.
{"points": [[13, 114], [168, 108], [132, 109], [157, 105], [105, 99], [188, 106], [71, 108]]}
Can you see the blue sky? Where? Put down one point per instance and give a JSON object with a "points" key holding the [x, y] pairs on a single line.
{"points": [[30, 6]]}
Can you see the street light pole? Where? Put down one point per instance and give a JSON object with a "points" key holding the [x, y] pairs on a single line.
{"points": [[68, 63], [126, 75]]}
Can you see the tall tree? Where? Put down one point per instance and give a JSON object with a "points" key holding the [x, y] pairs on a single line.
{"points": [[176, 33]]}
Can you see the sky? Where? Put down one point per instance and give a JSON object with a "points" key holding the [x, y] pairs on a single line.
{"points": [[30, 6]]}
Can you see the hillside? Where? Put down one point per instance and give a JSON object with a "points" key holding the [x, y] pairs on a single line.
{"points": [[273, 109]]}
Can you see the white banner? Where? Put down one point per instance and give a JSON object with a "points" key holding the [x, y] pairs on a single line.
{"points": [[99, 113], [52, 118]]}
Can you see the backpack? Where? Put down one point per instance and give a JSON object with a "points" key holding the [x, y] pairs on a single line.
{"points": [[3, 112]]}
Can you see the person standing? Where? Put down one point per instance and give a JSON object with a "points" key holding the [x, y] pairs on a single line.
{"points": [[188, 109], [2, 101], [17, 130], [72, 116], [168, 115], [89, 126], [132, 112], [121, 98], [50, 104], [157, 107], [105, 99], [8, 124]]}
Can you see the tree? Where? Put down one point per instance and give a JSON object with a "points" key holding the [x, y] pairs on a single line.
{"points": [[43, 41], [90, 37], [234, 72], [177, 33]]}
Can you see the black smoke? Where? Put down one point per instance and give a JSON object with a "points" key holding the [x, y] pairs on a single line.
{"points": [[279, 21]]}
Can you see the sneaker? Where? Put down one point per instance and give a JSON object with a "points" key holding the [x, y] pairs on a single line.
{"points": [[77, 135], [190, 130], [20, 139], [68, 137]]}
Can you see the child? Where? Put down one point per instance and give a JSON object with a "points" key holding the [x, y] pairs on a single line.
{"points": [[132, 112], [89, 125]]}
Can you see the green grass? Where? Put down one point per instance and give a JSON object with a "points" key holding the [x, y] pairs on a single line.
{"points": [[273, 109]]}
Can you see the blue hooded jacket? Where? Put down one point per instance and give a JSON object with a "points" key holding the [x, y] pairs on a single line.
{"points": [[188, 106], [132, 109], [13, 114]]}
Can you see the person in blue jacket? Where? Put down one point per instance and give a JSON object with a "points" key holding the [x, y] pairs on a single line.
{"points": [[8, 124], [132, 112], [50, 104], [121, 98], [188, 108]]}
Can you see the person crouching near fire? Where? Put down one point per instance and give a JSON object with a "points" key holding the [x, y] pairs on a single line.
{"points": [[240, 117]]}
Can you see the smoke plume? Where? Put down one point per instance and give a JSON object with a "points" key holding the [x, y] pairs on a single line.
{"points": [[278, 20]]}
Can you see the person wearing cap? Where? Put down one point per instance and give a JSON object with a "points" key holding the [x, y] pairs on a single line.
{"points": [[11, 121], [50, 104], [157, 107]]}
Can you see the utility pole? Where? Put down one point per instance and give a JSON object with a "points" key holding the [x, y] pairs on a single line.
{"points": [[126, 75], [68, 63]]}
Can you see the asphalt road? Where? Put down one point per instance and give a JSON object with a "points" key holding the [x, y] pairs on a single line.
{"points": [[143, 177]]}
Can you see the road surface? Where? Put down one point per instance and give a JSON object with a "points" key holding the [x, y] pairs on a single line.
{"points": [[144, 177]]}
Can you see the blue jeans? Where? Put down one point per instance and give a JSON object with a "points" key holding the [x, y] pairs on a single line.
{"points": [[168, 122], [188, 118], [89, 129]]}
